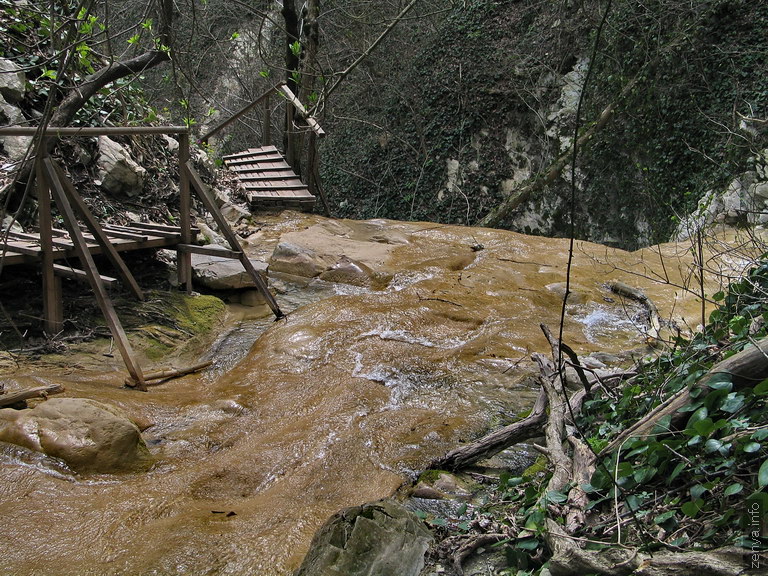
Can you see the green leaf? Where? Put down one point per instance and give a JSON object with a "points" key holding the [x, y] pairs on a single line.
{"points": [[732, 403], [697, 491], [692, 508], [750, 447], [664, 516], [762, 475], [720, 381], [761, 389], [734, 488], [644, 474], [761, 434], [712, 445], [676, 472], [697, 416], [555, 497], [704, 427], [527, 544]]}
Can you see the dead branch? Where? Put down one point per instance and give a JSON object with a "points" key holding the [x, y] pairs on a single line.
{"points": [[527, 428], [639, 296]]}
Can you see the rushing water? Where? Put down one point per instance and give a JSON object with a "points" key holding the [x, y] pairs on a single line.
{"points": [[337, 404]]}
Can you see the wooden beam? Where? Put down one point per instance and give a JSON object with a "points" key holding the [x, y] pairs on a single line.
{"points": [[234, 243], [209, 251], [54, 131], [81, 248], [311, 122], [98, 233], [236, 115], [80, 275]]}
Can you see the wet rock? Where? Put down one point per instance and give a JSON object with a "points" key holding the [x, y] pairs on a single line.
{"points": [[297, 260], [12, 81], [88, 435], [120, 175], [348, 271], [217, 273], [377, 539]]}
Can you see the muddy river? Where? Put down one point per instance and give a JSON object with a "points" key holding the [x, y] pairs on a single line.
{"points": [[339, 403]]}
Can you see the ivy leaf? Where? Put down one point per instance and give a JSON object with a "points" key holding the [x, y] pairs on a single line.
{"points": [[692, 508], [762, 475], [734, 488], [751, 447], [556, 497], [761, 389], [663, 517]]}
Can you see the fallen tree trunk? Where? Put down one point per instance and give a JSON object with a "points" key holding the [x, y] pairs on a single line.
{"points": [[750, 366]]}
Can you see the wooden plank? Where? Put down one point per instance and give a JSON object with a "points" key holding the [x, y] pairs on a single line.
{"points": [[113, 322], [252, 160], [96, 230], [26, 249], [80, 275], [158, 227], [275, 187], [209, 251], [234, 243], [252, 177], [250, 152], [115, 233]]}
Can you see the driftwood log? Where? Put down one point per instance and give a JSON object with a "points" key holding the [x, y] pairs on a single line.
{"points": [[37, 392]]}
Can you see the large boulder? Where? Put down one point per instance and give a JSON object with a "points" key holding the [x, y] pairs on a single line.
{"points": [[378, 539], [119, 174], [13, 83], [88, 435]]}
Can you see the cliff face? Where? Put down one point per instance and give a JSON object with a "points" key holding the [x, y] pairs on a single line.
{"points": [[488, 100]]}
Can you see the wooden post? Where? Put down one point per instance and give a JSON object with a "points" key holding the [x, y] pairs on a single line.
{"points": [[84, 254], [184, 259], [53, 310], [266, 137], [98, 232], [289, 136]]}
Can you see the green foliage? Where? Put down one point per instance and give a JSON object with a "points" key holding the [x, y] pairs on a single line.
{"points": [[690, 476], [39, 41]]}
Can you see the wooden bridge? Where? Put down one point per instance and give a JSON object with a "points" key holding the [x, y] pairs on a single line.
{"points": [[264, 172]]}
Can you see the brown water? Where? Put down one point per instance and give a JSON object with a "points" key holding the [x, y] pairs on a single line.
{"points": [[338, 404]]}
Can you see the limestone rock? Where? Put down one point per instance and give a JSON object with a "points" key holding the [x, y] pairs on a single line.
{"points": [[348, 271], [378, 539], [88, 435], [13, 83], [217, 273], [15, 146], [296, 260], [118, 172]]}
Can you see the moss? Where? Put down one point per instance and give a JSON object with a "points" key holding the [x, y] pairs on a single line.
{"points": [[173, 321], [537, 469]]}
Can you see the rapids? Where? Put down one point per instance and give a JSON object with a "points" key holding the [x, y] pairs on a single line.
{"points": [[340, 403]]}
